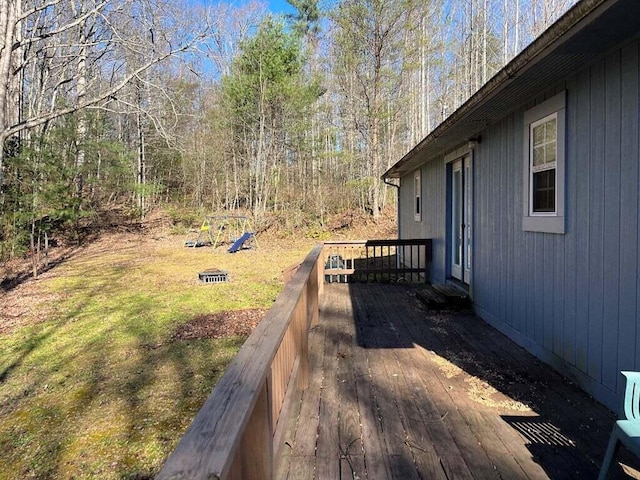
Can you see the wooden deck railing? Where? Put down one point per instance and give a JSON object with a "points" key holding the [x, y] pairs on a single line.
{"points": [[378, 260], [239, 431]]}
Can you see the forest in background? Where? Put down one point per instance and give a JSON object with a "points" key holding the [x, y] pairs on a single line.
{"points": [[127, 105]]}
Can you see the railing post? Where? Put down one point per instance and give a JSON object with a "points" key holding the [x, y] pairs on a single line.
{"points": [[313, 295], [320, 269], [303, 340], [256, 449], [427, 258]]}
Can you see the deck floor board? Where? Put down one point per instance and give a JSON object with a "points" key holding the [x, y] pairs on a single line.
{"points": [[400, 391]]}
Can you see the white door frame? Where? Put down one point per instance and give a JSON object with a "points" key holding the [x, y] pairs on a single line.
{"points": [[460, 218]]}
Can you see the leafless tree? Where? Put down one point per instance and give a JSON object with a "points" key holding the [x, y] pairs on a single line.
{"points": [[61, 56]]}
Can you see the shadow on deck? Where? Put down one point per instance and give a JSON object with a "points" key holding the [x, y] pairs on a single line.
{"points": [[398, 391]]}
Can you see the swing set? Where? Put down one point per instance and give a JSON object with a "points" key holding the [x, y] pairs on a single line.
{"points": [[235, 230]]}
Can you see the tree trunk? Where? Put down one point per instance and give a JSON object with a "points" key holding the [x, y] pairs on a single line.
{"points": [[34, 256], [9, 14], [141, 166], [81, 129]]}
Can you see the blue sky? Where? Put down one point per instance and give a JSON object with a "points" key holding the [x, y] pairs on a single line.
{"points": [[280, 6]]}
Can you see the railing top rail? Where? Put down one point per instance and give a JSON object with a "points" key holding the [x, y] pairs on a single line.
{"points": [[208, 447], [377, 243]]}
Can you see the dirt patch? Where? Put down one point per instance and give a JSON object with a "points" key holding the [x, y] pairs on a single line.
{"points": [[22, 299], [25, 306], [16, 271], [220, 325]]}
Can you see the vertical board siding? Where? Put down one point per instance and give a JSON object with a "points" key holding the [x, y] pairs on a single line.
{"points": [[501, 240], [507, 213], [596, 221], [547, 289], [612, 239], [434, 184], [559, 338], [573, 299], [570, 335], [513, 310], [580, 130], [408, 226], [519, 245], [574, 296], [537, 255], [629, 214], [432, 224]]}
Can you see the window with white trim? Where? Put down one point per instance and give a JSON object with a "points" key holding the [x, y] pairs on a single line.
{"points": [[417, 190], [543, 179], [543, 139]]}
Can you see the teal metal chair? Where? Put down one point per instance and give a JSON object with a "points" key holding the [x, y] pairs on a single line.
{"points": [[626, 431]]}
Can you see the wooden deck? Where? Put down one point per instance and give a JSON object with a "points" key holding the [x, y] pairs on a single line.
{"points": [[398, 391]]}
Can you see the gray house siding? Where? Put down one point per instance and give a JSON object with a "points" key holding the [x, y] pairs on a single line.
{"points": [[433, 217], [572, 299]]}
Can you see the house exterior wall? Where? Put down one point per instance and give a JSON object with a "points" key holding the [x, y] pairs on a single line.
{"points": [[572, 299], [432, 223]]}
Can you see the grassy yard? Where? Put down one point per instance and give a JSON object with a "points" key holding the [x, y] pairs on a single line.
{"points": [[94, 382]]}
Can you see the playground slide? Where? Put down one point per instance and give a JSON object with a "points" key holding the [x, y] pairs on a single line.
{"points": [[237, 245]]}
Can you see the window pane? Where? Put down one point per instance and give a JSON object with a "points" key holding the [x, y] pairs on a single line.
{"points": [[457, 217], [549, 153], [550, 130], [538, 156], [538, 134], [544, 191]]}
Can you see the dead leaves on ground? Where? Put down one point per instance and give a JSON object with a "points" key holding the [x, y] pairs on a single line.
{"points": [[220, 325]]}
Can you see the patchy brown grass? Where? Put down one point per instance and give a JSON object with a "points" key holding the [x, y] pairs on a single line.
{"points": [[106, 357]]}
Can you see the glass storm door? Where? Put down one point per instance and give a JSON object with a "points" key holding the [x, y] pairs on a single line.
{"points": [[461, 207]]}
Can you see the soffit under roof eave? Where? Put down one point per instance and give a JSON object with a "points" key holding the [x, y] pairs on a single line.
{"points": [[451, 140]]}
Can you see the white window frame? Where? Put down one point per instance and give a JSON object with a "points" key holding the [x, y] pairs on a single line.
{"points": [[548, 222], [417, 196], [533, 170]]}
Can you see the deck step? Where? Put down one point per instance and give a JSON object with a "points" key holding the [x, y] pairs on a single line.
{"points": [[438, 297], [431, 298], [453, 295]]}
